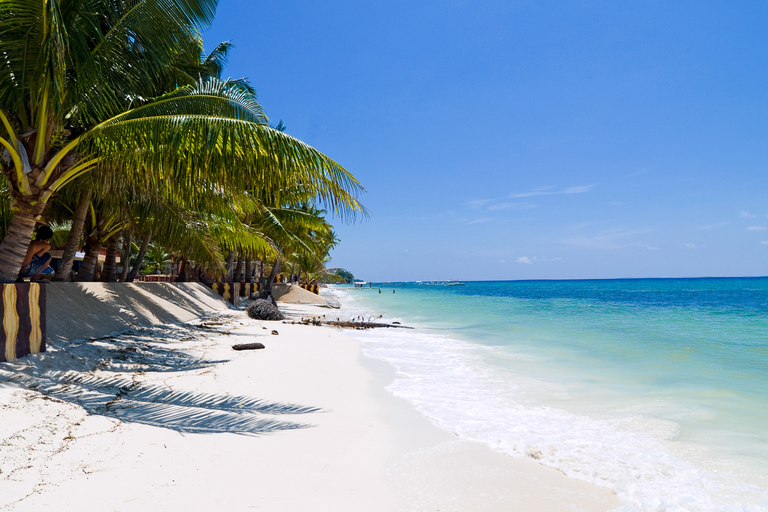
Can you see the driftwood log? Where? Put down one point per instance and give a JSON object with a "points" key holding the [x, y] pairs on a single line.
{"points": [[248, 346]]}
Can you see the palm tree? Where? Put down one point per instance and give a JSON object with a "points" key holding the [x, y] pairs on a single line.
{"points": [[156, 259], [69, 67], [72, 58]]}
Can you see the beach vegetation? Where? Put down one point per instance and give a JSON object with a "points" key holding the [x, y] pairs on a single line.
{"points": [[344, 274], [114, 102]]}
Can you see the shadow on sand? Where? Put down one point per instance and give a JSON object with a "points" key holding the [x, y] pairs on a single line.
{"points": [[113, 376]]}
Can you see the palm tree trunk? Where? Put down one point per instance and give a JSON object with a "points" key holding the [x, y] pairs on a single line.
{"points": [[73, 240], [140, 257], [230, 263], [15, 244], [180, 277], [248, 269], [126, 256], [88, 267], [238, 273], [109, 272], [273, 274]]}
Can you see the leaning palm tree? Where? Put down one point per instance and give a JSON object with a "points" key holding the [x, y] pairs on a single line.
{"points": [[68, 68], [66, 65]]}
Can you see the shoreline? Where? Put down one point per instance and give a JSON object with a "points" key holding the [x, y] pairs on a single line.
{"points": [[170, 417]]}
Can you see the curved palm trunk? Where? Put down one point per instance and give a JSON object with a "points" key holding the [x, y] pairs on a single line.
{"points": [[238, 273], [15, 244], [126, 255], [90, 261], [109, 272], [73, 240], [273, 274], [230, 264], [140, 257]]}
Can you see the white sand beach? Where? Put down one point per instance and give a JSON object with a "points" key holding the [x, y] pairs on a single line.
{"points": [[169, 417]]}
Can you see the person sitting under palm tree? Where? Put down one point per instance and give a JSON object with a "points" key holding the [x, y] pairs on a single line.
{"points": [[36, 262]]}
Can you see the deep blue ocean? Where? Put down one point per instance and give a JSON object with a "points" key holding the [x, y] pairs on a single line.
{"points": [[655, 388]]}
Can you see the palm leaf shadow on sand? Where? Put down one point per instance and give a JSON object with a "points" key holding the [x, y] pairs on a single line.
{"points": [[134, 356], [140, 354], [158, 406]]}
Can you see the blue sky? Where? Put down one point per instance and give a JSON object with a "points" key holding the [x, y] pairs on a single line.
{"points": [[527, 139]]}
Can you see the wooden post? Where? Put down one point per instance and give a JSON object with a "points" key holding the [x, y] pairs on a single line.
{"points": [[23, 314]]}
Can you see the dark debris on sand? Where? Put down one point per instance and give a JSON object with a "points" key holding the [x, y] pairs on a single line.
{"points": [[261, 309]]}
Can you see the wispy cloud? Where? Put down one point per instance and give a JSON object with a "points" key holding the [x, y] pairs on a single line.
{"points": [[764, 242], [756, 228], [649, 247], [694, 246], [481, 220], [512, 206], [638, 172], [578, 190], [525, 260], [747, 215], [551, 191], [497, 205], [479, 203], [711, 226]]}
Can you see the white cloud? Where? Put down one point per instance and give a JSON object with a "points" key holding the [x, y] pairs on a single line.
{"points": [[756, 228], [649, 247], [764, 242], [502, 261], [578, 190], [480, 220], [478, 203], [529, 261], [746, 215], [512, 206], [694, 246], [548, 191]]}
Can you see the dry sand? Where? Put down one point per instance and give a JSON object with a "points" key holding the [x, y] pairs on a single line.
{"points": [[171, 418]]}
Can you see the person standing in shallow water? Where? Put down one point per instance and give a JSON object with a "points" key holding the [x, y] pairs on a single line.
{"points": [[36, 262]]}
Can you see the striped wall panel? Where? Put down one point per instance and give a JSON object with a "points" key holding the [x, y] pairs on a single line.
{"points": [[228, 291], [23, 311]]}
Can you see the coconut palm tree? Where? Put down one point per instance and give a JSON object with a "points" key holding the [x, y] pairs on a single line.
{"points": [[68, 68], [65, 66]]}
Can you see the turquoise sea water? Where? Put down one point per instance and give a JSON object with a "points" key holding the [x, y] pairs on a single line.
{"points": [[656, 388]]}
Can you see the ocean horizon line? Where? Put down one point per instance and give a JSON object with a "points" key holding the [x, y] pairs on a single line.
{"points": [[549, 280]]}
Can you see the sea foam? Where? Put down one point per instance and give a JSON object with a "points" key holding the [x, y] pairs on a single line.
{"points": [[451, 382]]}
